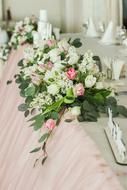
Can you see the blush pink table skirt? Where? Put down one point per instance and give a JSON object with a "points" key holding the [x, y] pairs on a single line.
{"points": [[74, 162]]}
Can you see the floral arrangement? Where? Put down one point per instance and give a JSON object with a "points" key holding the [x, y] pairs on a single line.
{"points": [[22, 32], [54, 77]]}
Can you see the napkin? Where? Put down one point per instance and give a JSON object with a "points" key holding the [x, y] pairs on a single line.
{"points": [[109, 35], [117, 66], [125, 42], [91, 31]]}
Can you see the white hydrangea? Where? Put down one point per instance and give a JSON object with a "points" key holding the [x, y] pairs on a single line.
{"points": [[57, 66], [53, 89], [87, 63], [41, 101], [90, 81], [49, 75], [54, 55], [64, 82]]}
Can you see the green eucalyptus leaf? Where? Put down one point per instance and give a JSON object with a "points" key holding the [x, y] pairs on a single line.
{"points": [[20, 63], [26, 113], [30, 91], [22, 93], [44, 159], [55, 115], [44, 137], [23, 107], [38, 121], [122, 110], [111, 101], [9, 82], [87, 106], [77, 43], [35, 150]]}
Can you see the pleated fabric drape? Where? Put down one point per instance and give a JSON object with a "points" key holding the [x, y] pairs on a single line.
{"points": [[78, 11]]}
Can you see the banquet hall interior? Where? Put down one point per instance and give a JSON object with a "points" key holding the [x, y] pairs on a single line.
{"points": [[63, 95]]}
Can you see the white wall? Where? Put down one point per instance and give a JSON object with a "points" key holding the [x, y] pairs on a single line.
{"points": [[0, 9], [22, 8], [68, 14]]}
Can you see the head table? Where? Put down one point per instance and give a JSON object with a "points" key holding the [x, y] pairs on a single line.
{"points": [[79, 154]]}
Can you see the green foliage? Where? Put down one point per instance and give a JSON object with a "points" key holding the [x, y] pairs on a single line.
{"points": [[44, 137], [38, 121], [122, 110], [76, 43], [26, 113], [88, 112], [20, 63], [55, 106], [35, 150], [9, 82], [30, 91], [54, 115], [23, 107], [69, 98]]}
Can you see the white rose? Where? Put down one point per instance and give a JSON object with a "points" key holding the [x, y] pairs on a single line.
{"points": [[76, 111], [53, 89], [63, 45], [73, 59], [54, 55], [72, 50], [99, 85], [90, 81], [58, 66]]}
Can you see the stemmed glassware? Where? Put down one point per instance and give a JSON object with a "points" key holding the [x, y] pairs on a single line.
{"points": [[120, 34]]}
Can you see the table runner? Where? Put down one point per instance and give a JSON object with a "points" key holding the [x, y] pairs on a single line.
{"points": [[74, 161]]}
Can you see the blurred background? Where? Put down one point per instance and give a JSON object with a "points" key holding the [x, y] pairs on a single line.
{"points": [[68, 15]]}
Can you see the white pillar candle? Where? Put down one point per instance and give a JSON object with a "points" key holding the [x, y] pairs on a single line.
{"points": [[43, 16], [50, 31], [57, 33], [41, 26]]}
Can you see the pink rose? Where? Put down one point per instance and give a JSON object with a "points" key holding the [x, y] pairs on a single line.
{"points": [[71, 73], [79, 89], [49, 65], [50, 43], [50, 124]]}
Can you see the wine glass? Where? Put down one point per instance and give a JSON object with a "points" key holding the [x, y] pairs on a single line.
{"points": [[120, 34]]}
